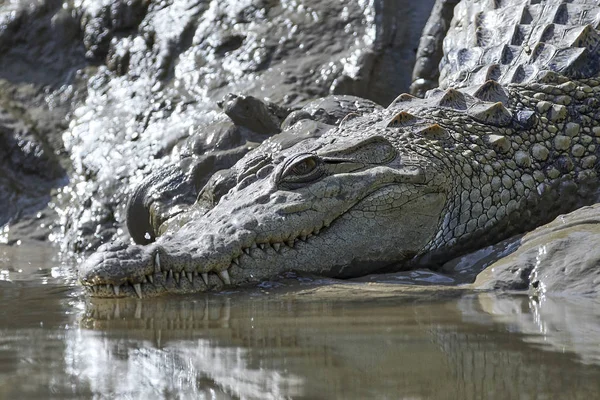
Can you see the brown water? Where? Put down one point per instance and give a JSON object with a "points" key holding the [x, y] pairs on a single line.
{"points": [[300, 340]]}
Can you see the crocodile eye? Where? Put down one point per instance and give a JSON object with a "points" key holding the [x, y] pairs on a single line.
{"points": [[304, 166], [302, 169]]}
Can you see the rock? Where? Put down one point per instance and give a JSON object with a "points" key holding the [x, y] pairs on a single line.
{"points": [[559, 258], [42, 66]]}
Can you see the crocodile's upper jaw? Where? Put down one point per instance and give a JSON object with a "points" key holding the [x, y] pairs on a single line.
{"points": [[345, 219]]}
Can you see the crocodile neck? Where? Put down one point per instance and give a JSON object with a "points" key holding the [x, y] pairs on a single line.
{"points": [[510, 178]]}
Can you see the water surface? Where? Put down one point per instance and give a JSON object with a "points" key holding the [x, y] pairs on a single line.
{"points": [[296, 339]]}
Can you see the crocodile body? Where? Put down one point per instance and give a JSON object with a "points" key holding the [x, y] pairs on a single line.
{"points": [[509, 143]]}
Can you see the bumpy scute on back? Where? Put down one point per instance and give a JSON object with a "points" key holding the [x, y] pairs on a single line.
{"points": [[511, 41]]}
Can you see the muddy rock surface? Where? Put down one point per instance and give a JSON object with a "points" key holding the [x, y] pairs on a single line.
{"points": [[43, 70], [573, 321], [561, 258]]}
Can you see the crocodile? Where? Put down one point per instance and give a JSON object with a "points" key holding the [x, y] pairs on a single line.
{"points": [[507, 143]]}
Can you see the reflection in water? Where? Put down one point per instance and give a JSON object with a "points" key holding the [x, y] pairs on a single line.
{"points": [[170, 346], [285, 346], [334, 341], [557, 324], [261, 347]]}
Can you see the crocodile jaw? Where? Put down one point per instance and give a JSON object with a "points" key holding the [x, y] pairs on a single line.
{"points": [[248, 238]]}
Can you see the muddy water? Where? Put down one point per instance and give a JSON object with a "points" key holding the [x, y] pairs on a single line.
{"points": [[296, 338]]}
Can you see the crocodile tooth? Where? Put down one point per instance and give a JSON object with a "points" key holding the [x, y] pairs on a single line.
{"points": [[109, 287], [246, 250], [262, 246], [177, 277], [236, 261], [138, 289], [276, 246], [165, 275], [204, 276], [190, 276], [303, 238], [117, 289], [150, 279], [224, 275], [254, 245], [290, 243], [157, 263]]}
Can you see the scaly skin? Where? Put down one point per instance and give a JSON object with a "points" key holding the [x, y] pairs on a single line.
{"points": [[416, 184]]}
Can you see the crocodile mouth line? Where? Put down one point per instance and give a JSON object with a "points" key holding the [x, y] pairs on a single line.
{"points": [[168, 279]]}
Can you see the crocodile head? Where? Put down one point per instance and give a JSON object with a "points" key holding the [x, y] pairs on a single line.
{"points": [[355, 200]]}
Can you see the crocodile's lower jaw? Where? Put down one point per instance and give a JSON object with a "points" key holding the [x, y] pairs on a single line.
{"points": [[160, 284], [262, 261], [165, 280], [176, 281]]}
